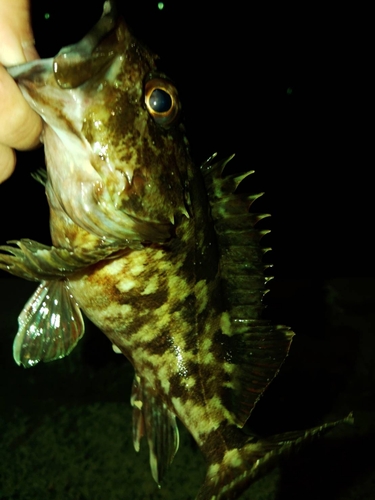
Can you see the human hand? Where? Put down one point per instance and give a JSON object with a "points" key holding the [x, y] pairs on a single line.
{"points": [[20, 126]]}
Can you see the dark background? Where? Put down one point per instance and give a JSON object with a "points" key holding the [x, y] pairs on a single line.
{"points": [[282, 87]]}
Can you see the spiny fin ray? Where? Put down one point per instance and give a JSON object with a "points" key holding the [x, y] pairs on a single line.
{"points": [[255, 349], [34, 261]]}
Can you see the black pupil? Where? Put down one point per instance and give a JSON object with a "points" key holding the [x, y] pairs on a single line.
{"points": [[160, 101]]}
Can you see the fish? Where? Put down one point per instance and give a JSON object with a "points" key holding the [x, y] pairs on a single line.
{"points": [[163, 256]]}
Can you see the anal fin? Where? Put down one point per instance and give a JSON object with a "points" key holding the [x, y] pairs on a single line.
{"points": [[152, 418]]}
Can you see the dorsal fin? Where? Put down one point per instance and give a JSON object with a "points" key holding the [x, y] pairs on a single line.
{"points": [[257, 347], [241, 264]]}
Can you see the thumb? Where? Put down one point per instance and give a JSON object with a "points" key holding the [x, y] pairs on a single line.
{"points": [[16, 35]]}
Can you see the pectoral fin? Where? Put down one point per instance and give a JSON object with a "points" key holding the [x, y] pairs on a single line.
{"points": [[34, 261], [50, 325]]}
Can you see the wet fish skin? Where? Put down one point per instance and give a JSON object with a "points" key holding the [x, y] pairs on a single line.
{"points": [[159, 254], [95, 108]]}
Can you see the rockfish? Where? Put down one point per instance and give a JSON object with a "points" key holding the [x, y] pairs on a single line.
{"points": [[162, 256]]}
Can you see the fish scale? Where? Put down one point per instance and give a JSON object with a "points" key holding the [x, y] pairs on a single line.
{"points": [[165, 258]]}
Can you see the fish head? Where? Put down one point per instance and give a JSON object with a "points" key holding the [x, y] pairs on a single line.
{"points": [[116, 154]]}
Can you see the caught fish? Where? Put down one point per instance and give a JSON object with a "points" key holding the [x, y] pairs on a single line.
{"points": [[162, 256]]}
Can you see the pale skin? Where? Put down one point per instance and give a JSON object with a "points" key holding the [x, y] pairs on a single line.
{"points": [[20, 126]]}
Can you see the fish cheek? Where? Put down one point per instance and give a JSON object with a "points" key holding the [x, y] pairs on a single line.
{"points": [[110, 123], [155, 190], [172, 176]]}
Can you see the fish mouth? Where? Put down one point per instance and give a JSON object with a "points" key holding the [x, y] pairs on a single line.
{"points": [[76, 63], [83, 183], [81, 54]]}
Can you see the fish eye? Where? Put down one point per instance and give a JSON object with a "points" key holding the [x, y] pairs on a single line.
{"points": [[162, 102]]}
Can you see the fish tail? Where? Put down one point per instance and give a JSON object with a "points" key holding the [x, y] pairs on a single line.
{"points": [[239, 467]]}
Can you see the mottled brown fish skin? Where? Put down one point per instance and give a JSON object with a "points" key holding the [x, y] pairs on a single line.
{"points": [[154, 306]]}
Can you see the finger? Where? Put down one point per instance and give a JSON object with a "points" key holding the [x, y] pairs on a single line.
{"points": [[7, 162], [22, 126], [16, 36]]}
